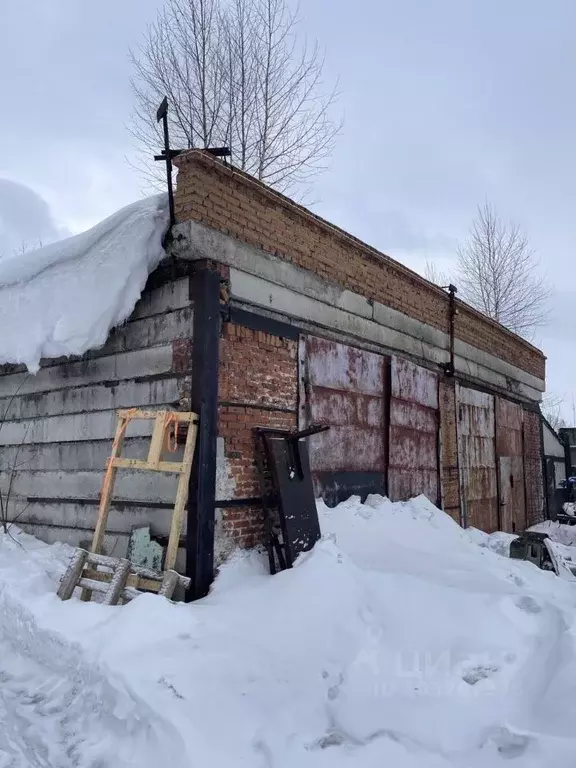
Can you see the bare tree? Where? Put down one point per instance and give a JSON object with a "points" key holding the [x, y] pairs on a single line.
{"points": [[497, 272], [434, 274], [24, 248], [235, 71], [551, 407]]}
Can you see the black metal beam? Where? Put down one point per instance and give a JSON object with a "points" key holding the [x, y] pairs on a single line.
{"points": [[205, 294], [121, 504], [253, 501], [263, 323]]}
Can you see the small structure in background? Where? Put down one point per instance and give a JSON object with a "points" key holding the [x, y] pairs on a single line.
{"points": [[557, 470], [539, 549], [568, 436]]}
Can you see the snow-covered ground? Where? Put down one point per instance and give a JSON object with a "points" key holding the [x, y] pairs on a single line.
{"points": [[63, 299], [400, 640]]}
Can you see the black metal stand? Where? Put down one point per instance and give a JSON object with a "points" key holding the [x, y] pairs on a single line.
{"points": [[291, 519]]}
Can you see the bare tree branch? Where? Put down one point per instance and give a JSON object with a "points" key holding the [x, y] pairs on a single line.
{"points": [[551, 407], [498, 273], [435, 275], [235, 71]]}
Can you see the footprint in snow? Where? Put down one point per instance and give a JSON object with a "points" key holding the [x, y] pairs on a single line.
{"points": [[508, 743], [482, 672], [528, 604]]}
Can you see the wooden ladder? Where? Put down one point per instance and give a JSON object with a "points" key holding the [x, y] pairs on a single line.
{"points": [[163, 421], [120, 579]]}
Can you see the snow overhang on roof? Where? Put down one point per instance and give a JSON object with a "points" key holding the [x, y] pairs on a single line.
{"points": [[63, 299]]}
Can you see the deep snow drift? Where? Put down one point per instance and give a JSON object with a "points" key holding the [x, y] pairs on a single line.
{"points": [[63, 299], [400, 640]]}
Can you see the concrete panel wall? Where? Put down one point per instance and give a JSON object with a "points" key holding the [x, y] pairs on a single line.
{"points": [[56, 428], [258, 280]]}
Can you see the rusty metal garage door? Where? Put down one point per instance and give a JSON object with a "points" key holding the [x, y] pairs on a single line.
{"points": [[510, 466], [477, 459], [413, 451], [344, 387]]}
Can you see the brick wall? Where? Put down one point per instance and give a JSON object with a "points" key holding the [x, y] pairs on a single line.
{"points": [[533, 469], [449, 452], [258, 387], [235, 203]]}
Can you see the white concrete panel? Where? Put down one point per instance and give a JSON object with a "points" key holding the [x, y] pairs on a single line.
{"points": [[100, 425], [98, 397], [166, 298], [148, 332], [85, 515], [127, 365], [115, 544], [69, 456], [131, 485]]}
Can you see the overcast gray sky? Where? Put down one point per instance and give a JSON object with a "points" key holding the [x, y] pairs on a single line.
{"points": [[446, 102]]}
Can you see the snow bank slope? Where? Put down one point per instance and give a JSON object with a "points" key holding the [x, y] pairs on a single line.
{"points": [[63, 299], [397, 641]]}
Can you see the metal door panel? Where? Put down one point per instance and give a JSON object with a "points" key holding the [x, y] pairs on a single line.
{"points": [[345, 388], [413, 449], [509, 449], [477, 459]]}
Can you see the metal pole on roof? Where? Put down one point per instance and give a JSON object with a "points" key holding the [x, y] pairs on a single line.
{"points": [[162, 114], [168, 154]]}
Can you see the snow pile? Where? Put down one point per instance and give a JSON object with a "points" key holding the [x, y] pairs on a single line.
{"points": [[498, 542], [563, 534], [569, 508], [63, 299], [399, 640]]}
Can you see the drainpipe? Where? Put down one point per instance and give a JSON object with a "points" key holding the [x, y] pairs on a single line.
{"points": [[449, 368]]}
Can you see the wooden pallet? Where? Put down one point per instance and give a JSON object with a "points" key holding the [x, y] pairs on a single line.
{"points": [[163, 422], [120, 578]]}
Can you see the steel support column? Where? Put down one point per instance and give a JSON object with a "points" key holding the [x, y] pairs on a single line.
{"points": [[205, 295]]}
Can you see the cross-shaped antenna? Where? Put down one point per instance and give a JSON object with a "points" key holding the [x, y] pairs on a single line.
{"points": [[168, 154], [162, 114]]}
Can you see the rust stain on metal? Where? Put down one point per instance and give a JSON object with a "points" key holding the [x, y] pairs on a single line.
{"points": [[345, 388], [477, 459], [339, 366], [449, 475], [509, 447], [413, 457]]}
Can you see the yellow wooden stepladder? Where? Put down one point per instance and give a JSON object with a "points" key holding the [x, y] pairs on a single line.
{"points": [[120, 573], [163, 422]]}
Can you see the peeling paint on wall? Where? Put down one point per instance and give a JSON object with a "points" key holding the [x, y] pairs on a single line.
{"points": [[225, 482], [224, 542]]}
